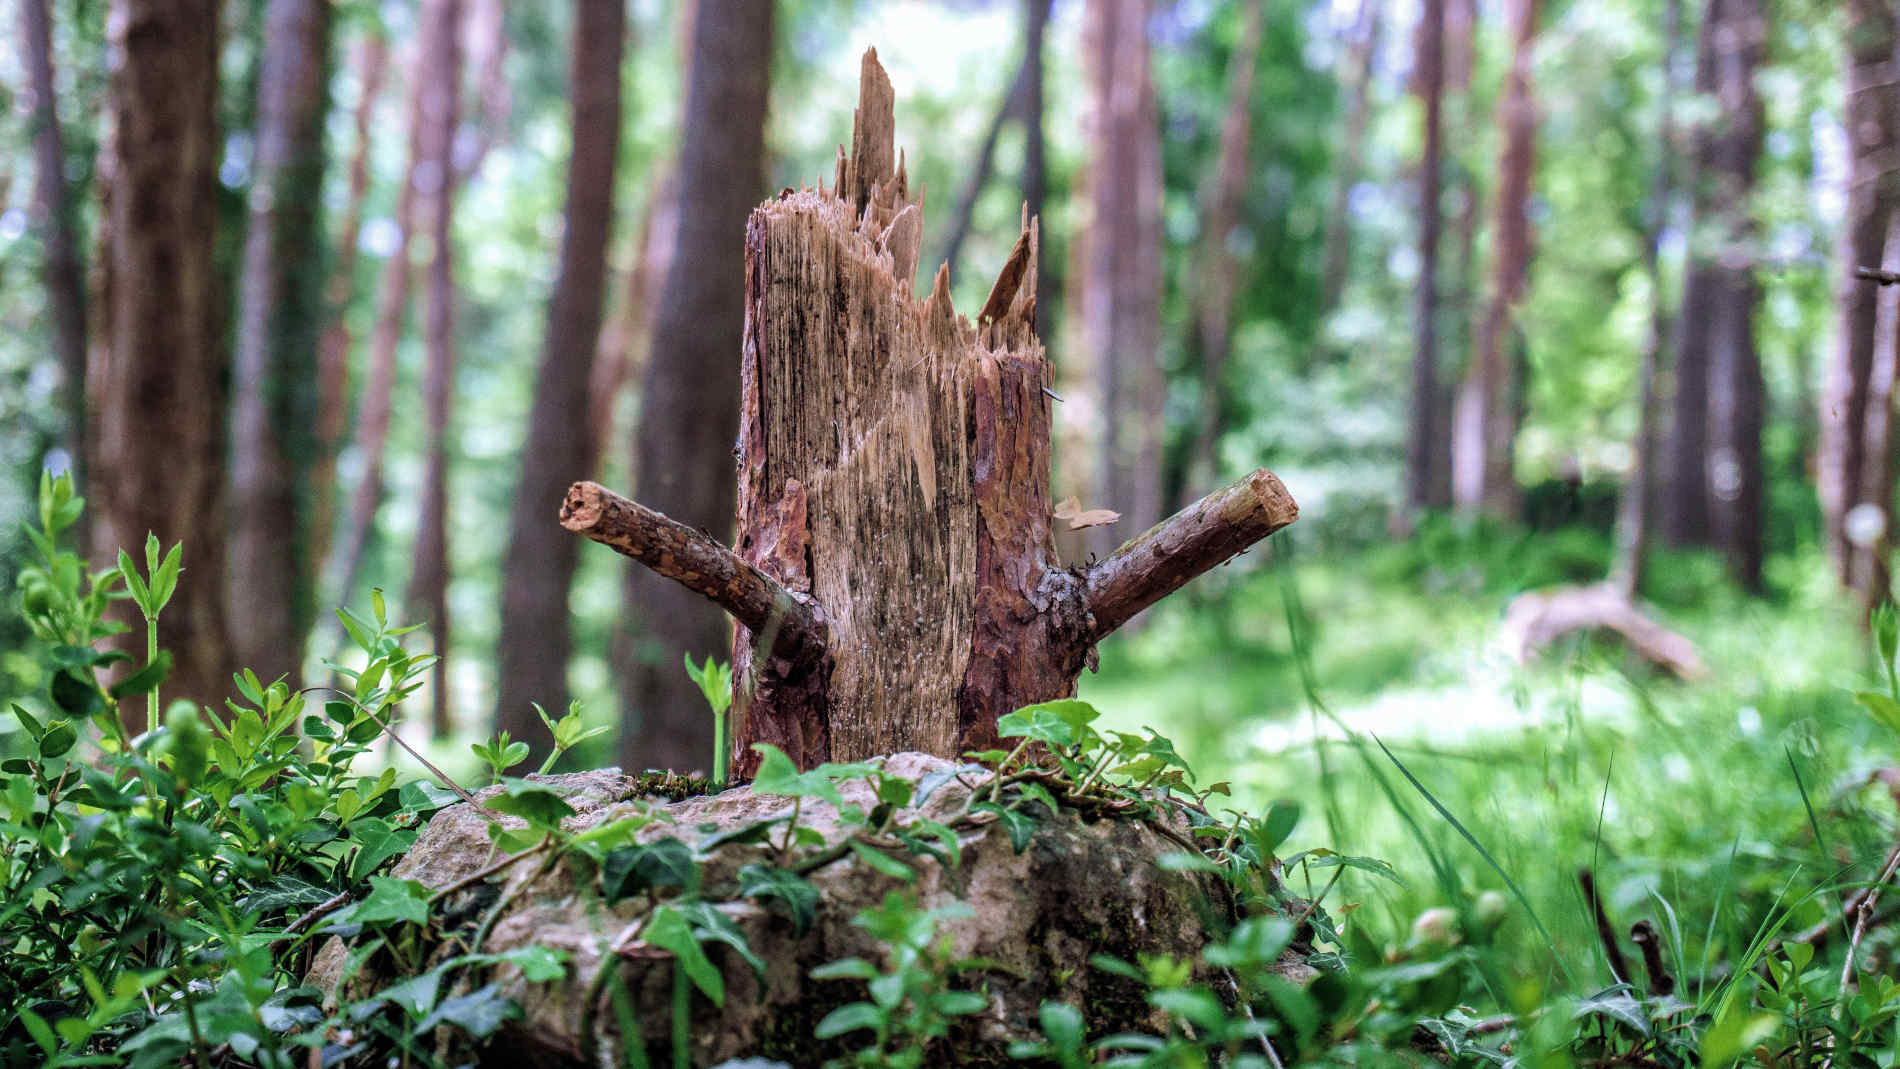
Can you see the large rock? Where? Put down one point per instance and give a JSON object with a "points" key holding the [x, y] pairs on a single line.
{"points": [[1078, 887]]}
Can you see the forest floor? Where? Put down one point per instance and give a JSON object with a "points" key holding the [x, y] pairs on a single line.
{"points": [[1715, 801]]}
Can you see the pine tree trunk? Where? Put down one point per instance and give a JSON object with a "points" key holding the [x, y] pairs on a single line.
{"points": [[1716, 489], [392, 307], [157, 372], [1357, 77], [53, 219], [1484, 471], [1634, 511], [1422, 441], [333, 357], [531, 662], [627, 335], [428, 597], [1119, 309], [1220, 268], [1873, 193], [689, 399], [280, 307], [895, 578]]}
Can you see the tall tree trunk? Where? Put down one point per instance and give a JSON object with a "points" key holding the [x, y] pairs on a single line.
{"points": [[1357, 77], [485, 30], [157, 446], [532, 660], [280, 309], [429, 575], [690, 397], [1715, 495], [1034, 181], [392, 306], [1220, 268], [1121, 262], [1870, 555], [53, 218], [1459, 296], [1873, 193], [1485, 427], [1634, 511], [371, 62], [1422, 442], [627, 336]]}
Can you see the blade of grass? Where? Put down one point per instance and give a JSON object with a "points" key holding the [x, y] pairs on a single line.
{"points": [[1820, 840], [1510, 883]]}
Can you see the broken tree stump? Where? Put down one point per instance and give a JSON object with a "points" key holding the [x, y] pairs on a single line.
{"points": [[895, 584]]}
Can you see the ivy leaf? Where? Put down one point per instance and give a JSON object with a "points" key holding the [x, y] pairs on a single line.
{"points": [[630, 870], [390, 899], [1020, 825], [478, 1013], [540, 807], [882, 862], [785, 891], [377, 842], [709, 924], [281, 894], [777, 775], [669, 931]]}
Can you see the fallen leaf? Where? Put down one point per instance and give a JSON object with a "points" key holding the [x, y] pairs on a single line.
{"points": [[1070, 509]]}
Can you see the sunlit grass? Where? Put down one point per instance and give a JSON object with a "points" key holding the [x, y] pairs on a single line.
{"points": [[1671, 792]]}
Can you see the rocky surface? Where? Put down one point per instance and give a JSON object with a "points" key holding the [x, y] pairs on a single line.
{"points": [[1078, 887]]}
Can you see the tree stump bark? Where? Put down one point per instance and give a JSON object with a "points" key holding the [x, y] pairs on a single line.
{"points": [[895, 583]]}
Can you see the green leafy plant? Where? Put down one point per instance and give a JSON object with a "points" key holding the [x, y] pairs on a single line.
{"points": [[715, 683], [911, 1002]]}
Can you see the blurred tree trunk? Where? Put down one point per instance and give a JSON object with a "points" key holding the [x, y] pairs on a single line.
{"points": [[1715, 493], [1460, 294], [392, 305], [486, 31], [1485, 425], [690, 396], [64, 277], [371, 62], [156, 373], [1119, 287], [1361, 53], [1873, 193], [531, 663], [1423, 440], [428, 595], [627, 336], [1634, 511], [1220, 268], [1016, 105], [1035, 177], [1870, 555], [280, 307]]}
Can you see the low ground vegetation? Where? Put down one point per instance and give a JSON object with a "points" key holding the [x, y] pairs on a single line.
{"points": [[164, 892]]}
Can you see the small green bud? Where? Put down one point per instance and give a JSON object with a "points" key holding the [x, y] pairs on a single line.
{"points": [[1489, 911], [188, 741]]}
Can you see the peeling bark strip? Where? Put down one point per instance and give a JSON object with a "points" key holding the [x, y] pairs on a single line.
{"points": [[894, 548]]}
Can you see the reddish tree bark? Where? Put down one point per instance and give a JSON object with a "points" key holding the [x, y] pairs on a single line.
{"points": [[1120, 273], [371, 62], [156, 373], [1422, 443], [1362, 47], [392, 306], [627, 335], [60, 268], [1220, 268], [689, 400], [1634, 511], [1873, 193], [1715, 495], [428, 594], [1485, 425], [280, 306], [531, 663]]}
